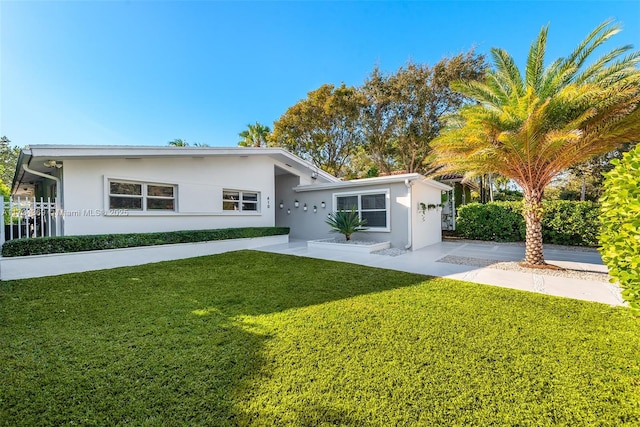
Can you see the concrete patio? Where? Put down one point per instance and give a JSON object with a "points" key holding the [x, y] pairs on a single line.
{"points": [[425, 261]]}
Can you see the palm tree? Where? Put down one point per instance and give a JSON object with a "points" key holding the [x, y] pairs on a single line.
{"points": [[178, 143], [531, 128], [255, 136], [346, 222]]}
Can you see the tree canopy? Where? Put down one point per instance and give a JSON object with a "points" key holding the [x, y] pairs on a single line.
{"points": [[8, 159], [323, 128], [403, 112], [391, 117]]}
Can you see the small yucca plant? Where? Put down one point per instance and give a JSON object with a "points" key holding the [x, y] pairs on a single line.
{"points": [[346, 222]]}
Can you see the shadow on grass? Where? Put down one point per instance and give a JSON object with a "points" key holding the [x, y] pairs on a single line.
{"points": [[156, 344]]}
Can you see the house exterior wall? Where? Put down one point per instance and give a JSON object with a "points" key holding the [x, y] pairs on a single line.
{"points": [[426, 225], [199, 181], [400, 210], [307, 225], [286, 196]]}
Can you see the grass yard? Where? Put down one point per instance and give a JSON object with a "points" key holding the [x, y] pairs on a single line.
{"points": [[250, 338]]}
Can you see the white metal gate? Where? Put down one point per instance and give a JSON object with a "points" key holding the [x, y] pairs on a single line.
{"points": [[25, 218]]}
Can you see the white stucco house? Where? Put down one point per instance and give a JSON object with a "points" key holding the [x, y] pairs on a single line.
{"points": [[125, 189]]}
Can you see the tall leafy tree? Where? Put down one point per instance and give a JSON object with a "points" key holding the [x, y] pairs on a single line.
{"points": [[323, 128], [8, 159], [254, 136], [403, 112], [590, 173], [378, 119], [530, 127]]}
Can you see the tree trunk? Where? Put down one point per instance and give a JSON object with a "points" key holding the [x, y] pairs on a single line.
{"points": [[490, 182], [583, 190], [532, 212]]}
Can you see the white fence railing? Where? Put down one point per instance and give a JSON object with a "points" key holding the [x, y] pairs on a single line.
{"points": [[28, 218]]}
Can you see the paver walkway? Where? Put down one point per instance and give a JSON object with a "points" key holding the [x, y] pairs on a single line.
{"points": [[425, 261]]}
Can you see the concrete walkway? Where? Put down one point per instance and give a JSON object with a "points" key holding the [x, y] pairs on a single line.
{"points": [[425, 261]]}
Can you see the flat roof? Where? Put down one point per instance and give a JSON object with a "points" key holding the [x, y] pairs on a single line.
{"points": [[390, 179]]}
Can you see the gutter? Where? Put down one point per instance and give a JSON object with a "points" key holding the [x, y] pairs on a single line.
{"points": [[58, 187], [16, 179], [408, 184]]}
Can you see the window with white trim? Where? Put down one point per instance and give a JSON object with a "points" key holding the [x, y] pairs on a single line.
{"points": [[141, 196], [243, 201], [372, 206]]}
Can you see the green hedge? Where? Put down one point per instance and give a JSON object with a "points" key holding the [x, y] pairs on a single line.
{"points": [[564, 222], [62, 244], [620, 238]]}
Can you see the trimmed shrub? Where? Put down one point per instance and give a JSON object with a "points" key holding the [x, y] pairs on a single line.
{"points": [[63, 244], [498, 221], [570, 223], [620, 218], [564, 222]]}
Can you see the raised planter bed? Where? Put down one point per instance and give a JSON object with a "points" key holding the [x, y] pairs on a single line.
{"points": [[353, 246], [24, 267]]}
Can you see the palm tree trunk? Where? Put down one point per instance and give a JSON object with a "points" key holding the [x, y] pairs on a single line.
{"points": [[532, 212]]}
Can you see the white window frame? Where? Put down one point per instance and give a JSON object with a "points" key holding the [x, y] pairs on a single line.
{"points": [[359, 194], [109, 211], [241, 200]]}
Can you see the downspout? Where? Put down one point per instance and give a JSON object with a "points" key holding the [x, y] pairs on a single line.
{"points": [[408, 183], [58, 187]]}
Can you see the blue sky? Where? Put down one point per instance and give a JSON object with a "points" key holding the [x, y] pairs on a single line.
{"points": [[147, 72]]}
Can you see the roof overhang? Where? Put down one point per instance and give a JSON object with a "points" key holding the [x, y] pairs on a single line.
{"points": [[36, 155], [366, 182]]}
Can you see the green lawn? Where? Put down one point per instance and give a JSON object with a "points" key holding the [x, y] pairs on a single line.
{"points": [[249, 338]]}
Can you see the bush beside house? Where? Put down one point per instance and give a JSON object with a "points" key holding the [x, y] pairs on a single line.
{"points": [[64, 244], [620, 217], [564, 222]]}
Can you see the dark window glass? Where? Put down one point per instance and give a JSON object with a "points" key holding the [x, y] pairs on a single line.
{"points": [[347, 203], [133, 203], [375, 218], [159, 190], [248, 197], [125, 188], [231, 195], [230, 206], [373, 201], [249, 206], [160, 204]]}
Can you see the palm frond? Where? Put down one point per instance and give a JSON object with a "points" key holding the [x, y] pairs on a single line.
{"points": [[506, 71], [598, 66], [477, 91], [619, 71], [535, 61], [500, 88], [597, 37]]}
